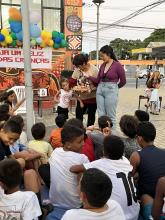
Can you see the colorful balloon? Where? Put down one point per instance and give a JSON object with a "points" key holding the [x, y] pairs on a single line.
{"points": [[56, 46], [33, 42], [8, 39], [5, 31], [51, 43], [15, 14], [39, 40], [55, 34], [35, 31], [16, 26], [58, 40], [13, 35], [44, 34], [3, 44], [19, 36], [62, 36], [19, 43], [14, 43], [2, 37], [63, 43], [43, 44]]}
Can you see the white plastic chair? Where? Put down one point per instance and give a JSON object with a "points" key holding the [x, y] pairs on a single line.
{"points": [[20, 94]]}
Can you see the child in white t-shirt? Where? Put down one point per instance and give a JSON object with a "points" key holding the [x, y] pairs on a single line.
{"points": [[64, 184], [13, 202], [96, 189], [119, 169], [64, 95]]}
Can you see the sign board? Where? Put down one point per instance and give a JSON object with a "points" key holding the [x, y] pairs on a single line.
{"points": [[13, 58], [43, 92]]}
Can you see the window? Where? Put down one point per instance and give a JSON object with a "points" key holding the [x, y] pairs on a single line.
{"points": [[52, 19], [12, 2], [52, 3]]}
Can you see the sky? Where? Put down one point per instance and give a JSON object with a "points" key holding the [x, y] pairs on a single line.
{"points": [[113, 10]]}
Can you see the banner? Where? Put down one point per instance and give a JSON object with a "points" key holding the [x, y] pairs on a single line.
{"points": [[13, 58]]}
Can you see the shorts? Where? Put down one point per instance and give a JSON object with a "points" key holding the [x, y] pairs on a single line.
{"points": [[63, 111]]}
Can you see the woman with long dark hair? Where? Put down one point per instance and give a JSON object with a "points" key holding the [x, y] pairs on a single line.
{"points": [[82, 68], [111, 77]]}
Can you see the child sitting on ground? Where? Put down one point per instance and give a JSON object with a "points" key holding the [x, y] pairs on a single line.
{"points": [[141, 115], [19, 148], [128, 125], [63, 185], [64, 96], [15, 204], [118, 168], [38, 144], [55, 137], [97, 135], [96, 188]]}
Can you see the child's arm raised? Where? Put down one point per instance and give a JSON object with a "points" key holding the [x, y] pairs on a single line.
{"points": [[77, 169]]}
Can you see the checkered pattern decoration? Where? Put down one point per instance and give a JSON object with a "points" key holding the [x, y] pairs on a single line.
{"points": [[74, 42]]}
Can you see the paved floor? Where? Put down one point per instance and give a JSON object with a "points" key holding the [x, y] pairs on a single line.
{"points": [[128, 103]]}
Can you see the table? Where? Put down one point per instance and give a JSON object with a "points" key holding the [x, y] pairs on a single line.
{"points": [[39, 101]]}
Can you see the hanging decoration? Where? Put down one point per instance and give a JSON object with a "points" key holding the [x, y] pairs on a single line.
{"points": [[42, 38]]}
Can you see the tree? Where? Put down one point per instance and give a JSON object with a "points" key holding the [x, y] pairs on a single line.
{"points": [[157, 36]]}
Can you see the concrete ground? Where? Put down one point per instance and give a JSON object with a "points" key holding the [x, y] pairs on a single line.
{"points": [[128, 103]]}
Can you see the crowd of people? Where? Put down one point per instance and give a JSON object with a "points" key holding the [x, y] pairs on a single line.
{"points": [[90, 172]]}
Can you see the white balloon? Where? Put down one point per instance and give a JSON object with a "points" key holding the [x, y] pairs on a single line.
{"points": [[35, 17]]}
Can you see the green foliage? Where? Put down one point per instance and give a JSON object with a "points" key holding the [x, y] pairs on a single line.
{"points": [[157, 36]]}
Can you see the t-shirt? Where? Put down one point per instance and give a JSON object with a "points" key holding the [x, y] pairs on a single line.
{"points": [[77, 74], [21, 205], [131, 146], [113, 212], [55, 138], [64, 184], [65, 97], [98, 140], [4, 150], [42, 147], [123, 190]]}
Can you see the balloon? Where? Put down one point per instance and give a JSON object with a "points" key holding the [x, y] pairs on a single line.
{"points": [[2, 37], [43, 44], [8, 39], [15, 26], [35, 17], [35, 31], [55, 34], [14, 43], [5, 31], [15, 14], [56, 46], [51, 43], [39, 40], [33, 42], [62, 36], [58, 40], [47, 40], [19, 36], [63, 43], [3, 44], [19, 43], [44, 34], [13, 35]]}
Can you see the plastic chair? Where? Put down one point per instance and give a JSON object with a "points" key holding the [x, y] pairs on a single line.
{"points": [[20, 94]]}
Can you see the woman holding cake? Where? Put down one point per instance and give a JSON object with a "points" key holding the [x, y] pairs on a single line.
{"points": [[84, 87]]}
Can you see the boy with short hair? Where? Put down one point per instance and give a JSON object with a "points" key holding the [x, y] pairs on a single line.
{"points": [[142, 115], [38, 144], [9, 134], [149, 163], [55, 136], [118, 168], [97, 135], [96, 188], [13, 202], [63, 185]]}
